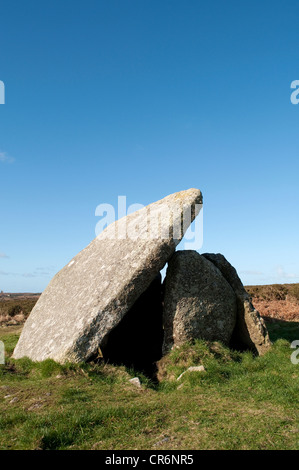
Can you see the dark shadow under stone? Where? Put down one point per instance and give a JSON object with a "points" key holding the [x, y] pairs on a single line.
{"points": [[136, 342]]}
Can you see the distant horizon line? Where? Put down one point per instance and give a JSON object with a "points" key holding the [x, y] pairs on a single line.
{"points": [[247, 285]]}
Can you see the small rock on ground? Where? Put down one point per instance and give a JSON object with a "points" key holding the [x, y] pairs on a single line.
{"points": [[192, 369], [135, 381]]}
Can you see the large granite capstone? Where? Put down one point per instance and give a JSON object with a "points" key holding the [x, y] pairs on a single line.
{"points": [[92, 293]]}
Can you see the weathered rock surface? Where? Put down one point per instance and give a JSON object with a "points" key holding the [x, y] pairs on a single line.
{"points": [[198, 301], [250, 330], [90, 295]]}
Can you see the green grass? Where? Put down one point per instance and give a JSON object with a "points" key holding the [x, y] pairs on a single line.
{"points": [[280, 329], [239, 402]]}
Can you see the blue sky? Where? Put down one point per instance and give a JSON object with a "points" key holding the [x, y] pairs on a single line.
{"points": [[144, 98]]}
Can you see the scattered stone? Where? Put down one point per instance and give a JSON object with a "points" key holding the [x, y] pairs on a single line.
{"points": [[250, 331], [192, 369], [35, 406], [198, 303], [14, 400], [162, 441], [90, 296], [135, 381]]}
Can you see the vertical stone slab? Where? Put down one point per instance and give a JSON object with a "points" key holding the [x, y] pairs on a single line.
{"points": [[250, 331], [198, 302]]}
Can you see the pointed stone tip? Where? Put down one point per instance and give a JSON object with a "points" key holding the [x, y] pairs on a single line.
{"points": [[193, 193]]}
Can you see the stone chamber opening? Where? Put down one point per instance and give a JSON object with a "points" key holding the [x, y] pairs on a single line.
{"points": [[136, 342]]}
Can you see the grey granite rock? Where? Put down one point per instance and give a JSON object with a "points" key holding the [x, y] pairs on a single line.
{"points": [[198, 301], [250, 331], [135, 381], [93, 292]]}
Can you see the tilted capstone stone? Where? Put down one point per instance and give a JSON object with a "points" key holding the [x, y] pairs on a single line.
{"points": [[92, 293]]}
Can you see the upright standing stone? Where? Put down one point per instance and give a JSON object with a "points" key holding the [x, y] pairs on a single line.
{"points": [[90, 295], [250, 331], [198, 302]]}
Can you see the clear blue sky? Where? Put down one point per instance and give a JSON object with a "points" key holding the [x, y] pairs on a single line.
{"points": [[144, 98]]}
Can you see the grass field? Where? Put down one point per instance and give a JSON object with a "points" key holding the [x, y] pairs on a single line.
{"points": [[238, 402]]}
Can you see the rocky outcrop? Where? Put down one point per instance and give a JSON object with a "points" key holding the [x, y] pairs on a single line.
{"points": [[108, 299], [88, 298], [250, 331], [198, 301]]}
